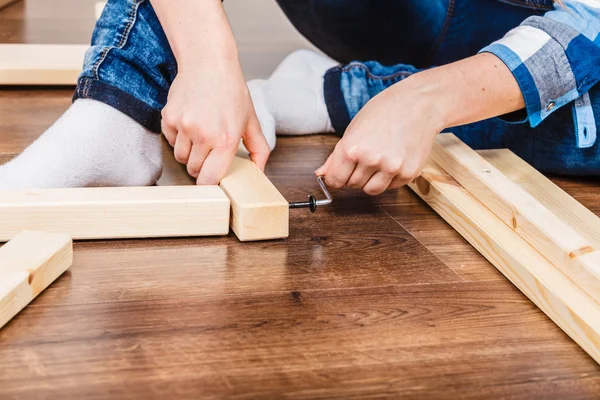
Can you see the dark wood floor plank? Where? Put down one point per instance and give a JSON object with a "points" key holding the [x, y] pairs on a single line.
{"points": [[25, 114], [371, 297], [443, 241], [48, 22], [470, 340], [340, 249]]}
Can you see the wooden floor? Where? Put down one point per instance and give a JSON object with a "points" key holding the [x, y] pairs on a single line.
{"points": [[368, 298]]}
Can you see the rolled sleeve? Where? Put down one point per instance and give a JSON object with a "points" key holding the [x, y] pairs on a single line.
{"points": [[554, 58]]}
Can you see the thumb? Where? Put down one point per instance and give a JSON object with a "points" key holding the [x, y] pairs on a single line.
{"points": [[255, 143]]}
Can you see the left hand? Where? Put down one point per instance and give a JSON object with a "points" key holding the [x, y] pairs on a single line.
{"points": [[388, 142]]}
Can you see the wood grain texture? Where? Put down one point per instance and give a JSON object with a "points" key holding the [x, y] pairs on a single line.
{"points": [[40, 64], [575, 256], [559, 202], [103, 213], [443, 241], [258, 210], [554, 293], [29, 263], [351, 305]]}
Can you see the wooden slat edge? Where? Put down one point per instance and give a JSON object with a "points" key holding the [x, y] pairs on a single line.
{"points": [[554, 239], [41, 64], [258, 210], [116, 213], [550, 290], [559, 202], [29, 264]]}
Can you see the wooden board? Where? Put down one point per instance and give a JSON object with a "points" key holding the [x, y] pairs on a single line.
{"points": [[565, 207], [29, 263], [575, 256], [258, 210], [555, 294], [108, 213], [41, 64]]}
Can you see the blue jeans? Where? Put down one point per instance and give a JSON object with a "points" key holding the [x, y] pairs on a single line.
{"points": [[130, 65]]}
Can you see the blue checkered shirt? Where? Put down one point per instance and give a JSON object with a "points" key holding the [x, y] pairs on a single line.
{"points": [[556, 61]]}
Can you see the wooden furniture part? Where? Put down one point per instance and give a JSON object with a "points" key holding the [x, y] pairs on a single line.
{"points": [[258, 210], [109, 213], [41, 64], [565, 207], [575, 256], [5, 3], [554, 293], [29, 263]]}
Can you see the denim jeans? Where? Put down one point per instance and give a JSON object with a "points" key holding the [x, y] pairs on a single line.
{"points": [[130, 65]]}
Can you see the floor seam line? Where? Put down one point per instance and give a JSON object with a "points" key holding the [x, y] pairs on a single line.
{"points": [[435, 255]]}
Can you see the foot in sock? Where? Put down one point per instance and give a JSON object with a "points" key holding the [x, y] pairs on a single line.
{"points": [[292, 100], [92, 144]]}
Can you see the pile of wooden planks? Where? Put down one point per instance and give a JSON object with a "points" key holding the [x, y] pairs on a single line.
{"points": [[539, 237]]}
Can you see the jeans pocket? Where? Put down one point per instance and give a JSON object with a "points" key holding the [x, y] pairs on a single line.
{"points": [[536, 5]]}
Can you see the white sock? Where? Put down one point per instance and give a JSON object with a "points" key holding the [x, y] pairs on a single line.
{"points": [[92, 144], [293, 96]]}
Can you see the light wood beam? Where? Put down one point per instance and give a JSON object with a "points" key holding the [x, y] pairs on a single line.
{"points": [[549, 289], [258, 210], [569, 251], [29, 263], [110, 213], [559, 202], [41, 64]]}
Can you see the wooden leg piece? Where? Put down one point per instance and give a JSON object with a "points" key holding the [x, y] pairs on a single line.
{"points": [[41, 64], [565, 207], [111, 213], [554, 293], [29, 263], [258, 210], [568, 250]]}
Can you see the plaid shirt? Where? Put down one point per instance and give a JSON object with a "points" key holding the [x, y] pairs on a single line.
{"points": [[556, 61]]}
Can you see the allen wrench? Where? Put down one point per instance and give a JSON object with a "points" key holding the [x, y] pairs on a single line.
{"points": [[312, 202]]}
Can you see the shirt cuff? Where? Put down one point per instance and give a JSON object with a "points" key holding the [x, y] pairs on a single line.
{"points": [[541, 68]]}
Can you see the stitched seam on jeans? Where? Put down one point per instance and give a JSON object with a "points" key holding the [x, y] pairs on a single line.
{"points": [[442, 35], [348, 67], [122, 41], [86, 88]]}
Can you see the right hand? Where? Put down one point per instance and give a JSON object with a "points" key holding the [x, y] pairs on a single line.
{"points": [[209, 110]]}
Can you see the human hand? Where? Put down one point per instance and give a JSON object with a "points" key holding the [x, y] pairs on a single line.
{"points": [[388, 142], [208, 111]]}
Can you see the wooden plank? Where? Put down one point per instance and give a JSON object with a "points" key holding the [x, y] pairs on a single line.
{"points": [[5, 3], [41, 64], [554, 293], [575, 256], [109, 213], [258, 210], [29, 263], [559, 202]]}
